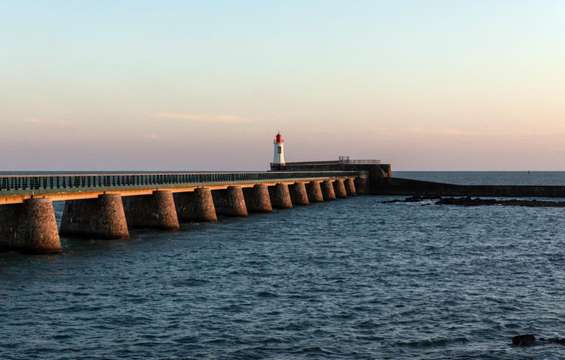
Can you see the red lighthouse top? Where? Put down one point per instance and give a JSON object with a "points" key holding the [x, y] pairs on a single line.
{"points": [[279, 139]]}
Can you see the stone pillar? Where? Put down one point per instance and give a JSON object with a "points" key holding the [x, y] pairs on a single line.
{"points": [[328, 190], [362, 185], [156, 211], [314, 192], [230, 202], [100, 218], [298, 194], [339, 189], [280, 196], [350, 187], [30, 227], [197, 206], [257, 199]]}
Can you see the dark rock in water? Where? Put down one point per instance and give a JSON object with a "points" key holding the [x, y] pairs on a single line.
{"points": [[530, 340], [524, 340], [412, 199], [560, 341], [468, 201]]}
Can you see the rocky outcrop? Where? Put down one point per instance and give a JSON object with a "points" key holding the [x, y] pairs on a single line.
{"points": [[524, 340], [413, 199], [469, 201], [531, 340]]}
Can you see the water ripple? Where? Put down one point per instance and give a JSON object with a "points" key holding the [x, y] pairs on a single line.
{"points": [[351, 279]]}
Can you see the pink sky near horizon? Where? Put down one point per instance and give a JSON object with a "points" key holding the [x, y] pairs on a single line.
{"points": [[447, 86]]}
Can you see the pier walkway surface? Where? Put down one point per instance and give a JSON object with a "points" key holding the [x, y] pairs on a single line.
{"points": [[107, 205], [71, 186]]}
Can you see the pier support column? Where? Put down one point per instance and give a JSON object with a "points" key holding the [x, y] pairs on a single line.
{"points": [[197, 206], [350, 187], [29, 227], [298, 194], [280, 196], [257, 199], [156, 211], [100, 218], [328, 190], [314, 192], [362, 185], [230, 202], [339, 189]]}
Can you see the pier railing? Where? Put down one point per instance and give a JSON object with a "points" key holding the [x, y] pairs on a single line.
{"points": [[341, 161], [12, 184]]}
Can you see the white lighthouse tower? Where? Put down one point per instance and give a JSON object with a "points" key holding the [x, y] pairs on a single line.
{"points": [[278, 156]]}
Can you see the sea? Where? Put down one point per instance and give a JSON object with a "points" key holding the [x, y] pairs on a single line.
{"points": [[358, 278]]}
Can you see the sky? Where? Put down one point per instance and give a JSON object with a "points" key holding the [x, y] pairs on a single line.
{"points": [[198, 85]]}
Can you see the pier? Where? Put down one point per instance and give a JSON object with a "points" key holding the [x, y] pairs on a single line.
{"points": [[109, 205]]}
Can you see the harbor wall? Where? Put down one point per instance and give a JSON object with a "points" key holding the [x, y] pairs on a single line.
{"points": [[400, 186]]}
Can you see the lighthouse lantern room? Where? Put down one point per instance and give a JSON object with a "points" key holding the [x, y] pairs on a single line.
{"points": [[278, 156]]}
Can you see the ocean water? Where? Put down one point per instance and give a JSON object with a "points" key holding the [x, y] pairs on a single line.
{"points": [[351, 279]]}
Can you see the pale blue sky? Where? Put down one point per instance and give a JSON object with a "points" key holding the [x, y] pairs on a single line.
{"points": [[446, 85]]}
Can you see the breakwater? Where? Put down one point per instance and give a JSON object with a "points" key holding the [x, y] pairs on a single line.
{"points": [[400, 186], [107, 206]]}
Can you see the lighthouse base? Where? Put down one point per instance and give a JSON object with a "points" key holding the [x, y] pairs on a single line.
{"points": [[278, 167]]}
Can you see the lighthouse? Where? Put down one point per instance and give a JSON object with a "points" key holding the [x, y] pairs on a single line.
{"points": [[278, 156]]}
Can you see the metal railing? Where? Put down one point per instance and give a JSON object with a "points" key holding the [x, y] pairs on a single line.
{"points": [[361, 162], [342, 160], [36, 184]]}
